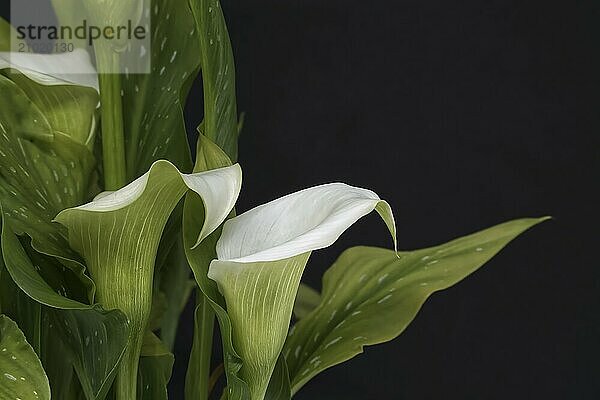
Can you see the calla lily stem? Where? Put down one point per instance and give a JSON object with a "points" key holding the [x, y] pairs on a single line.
{"points": [[113, 139]]}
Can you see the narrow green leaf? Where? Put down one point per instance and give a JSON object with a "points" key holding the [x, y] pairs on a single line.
{"points": [[370, 296], [218, 76], [22, 376], [307, 300]]}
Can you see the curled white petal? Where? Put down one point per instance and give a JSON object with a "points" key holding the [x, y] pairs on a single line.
{"points": [[308, 220], [218, 188], [71, 68]]}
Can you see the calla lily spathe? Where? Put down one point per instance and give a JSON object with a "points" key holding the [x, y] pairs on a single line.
{"points": [[118, 236], [261, 257]]}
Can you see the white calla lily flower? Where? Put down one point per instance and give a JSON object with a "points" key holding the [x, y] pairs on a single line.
{"points": [[262, 255], [118, 235]]}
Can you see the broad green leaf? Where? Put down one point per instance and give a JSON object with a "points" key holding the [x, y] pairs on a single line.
{"points": [[22, 376], [153, 103], [218, 76], [370, 295], [156, 365], [94, 339], [261, 257], [119, 232], [307, 300], [208, 157], [41, 172]]}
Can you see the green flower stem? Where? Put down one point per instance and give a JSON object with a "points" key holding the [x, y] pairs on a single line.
{"points": [[113, 139], [200, 373]]}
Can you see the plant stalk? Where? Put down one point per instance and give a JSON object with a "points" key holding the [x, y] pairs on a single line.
{"points": [[198, 373], [113, 138]]}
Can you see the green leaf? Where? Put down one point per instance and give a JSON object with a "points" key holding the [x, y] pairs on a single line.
{"points": [[209, 156], [118, 235], [22, 374], [41, 172], [370, 296], [177, 285], [307, 300], [156, 365], [218, 76], [5, 32], [279, 386], [153, 103], [94, 339], [70, 110]]}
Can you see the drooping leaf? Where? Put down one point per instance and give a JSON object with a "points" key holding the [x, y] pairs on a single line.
{"points": [[209, 156], [370, 295], [22, 376], [218, 76], [156, 365], [94, 339], [307, 300], [153, 103], [118, 235], [261, 257]]}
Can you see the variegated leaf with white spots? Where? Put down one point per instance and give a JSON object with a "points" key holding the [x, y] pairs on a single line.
{"points": [[218, 76], [153, 103], [370, 295], [21, 373]]}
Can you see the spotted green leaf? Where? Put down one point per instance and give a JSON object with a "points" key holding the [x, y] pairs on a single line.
{"points": [[218, 76], [21, 373], [370, 295], [153, 103], [118, 236]]}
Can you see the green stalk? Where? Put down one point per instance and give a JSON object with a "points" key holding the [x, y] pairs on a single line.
{"points": [[113, 138], [198, 372]]}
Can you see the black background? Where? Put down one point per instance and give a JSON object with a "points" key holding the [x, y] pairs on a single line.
{"points": [[462, 115]]}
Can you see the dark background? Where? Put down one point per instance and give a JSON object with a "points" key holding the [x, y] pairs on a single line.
{"points": [[462, 115]]}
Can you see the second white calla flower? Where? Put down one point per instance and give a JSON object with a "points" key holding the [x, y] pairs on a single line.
{"points": [[262, 255]]}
